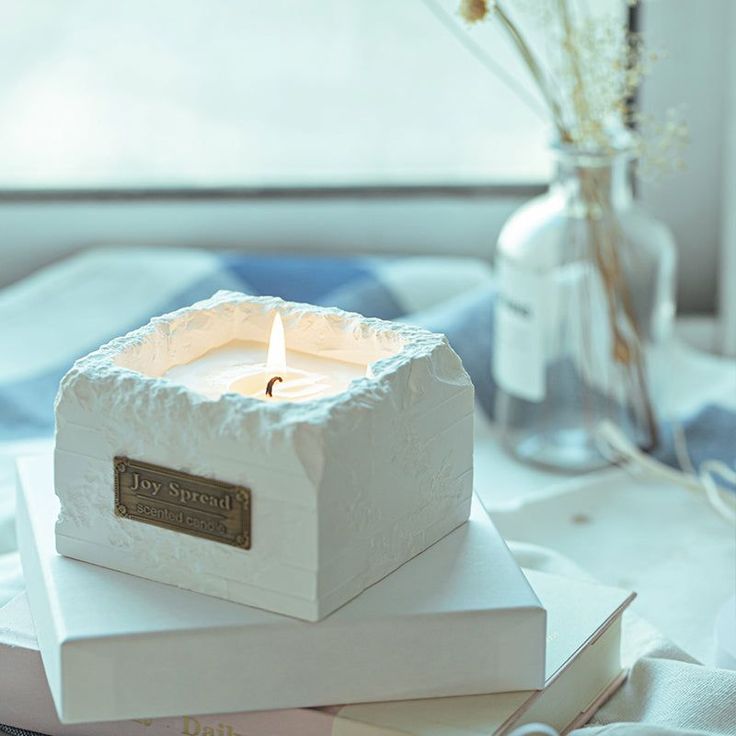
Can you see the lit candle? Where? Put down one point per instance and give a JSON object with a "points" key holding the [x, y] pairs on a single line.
{"points": [[275, 380], [239, 368], [395, 449]]}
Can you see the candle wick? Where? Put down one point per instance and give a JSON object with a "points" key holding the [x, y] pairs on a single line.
{"points": [[269, 386]]}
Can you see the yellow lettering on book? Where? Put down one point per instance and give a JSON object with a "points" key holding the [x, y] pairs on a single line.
{"points": [[188, 720], [193, 727]]}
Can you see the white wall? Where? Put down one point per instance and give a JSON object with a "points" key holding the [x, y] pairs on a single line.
{"points": [[696, 35]]}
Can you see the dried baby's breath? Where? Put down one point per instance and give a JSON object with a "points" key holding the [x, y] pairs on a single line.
{"points": [[661, 144], [597, 71], [588, 67]]}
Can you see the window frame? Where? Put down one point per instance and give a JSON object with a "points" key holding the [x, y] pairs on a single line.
{"points": [[43, 226], [727, 286]]}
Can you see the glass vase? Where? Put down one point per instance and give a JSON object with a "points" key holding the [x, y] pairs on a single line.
{"points": [[586, 293]]}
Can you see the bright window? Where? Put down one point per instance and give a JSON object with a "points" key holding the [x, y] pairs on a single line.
{"points": [[148, 93]]}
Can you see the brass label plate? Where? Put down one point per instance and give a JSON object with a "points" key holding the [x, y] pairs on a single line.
{"points": [[202, 507]]}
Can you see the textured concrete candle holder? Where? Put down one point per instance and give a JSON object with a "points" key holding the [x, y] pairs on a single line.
{"points": [[291, 507]]}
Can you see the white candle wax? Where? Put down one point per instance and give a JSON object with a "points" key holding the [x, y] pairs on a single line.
{"points": [[241, 367]]}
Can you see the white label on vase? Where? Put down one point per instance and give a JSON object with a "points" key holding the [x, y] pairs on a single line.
{"points": [[518, 354]]}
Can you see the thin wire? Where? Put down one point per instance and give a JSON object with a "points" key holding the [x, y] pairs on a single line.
{"points": [[717, 495], [682, 454], [486, 59], [617, 447]]}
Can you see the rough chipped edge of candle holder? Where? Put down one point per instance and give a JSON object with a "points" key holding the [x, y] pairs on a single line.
{"points": [[416, 343]]}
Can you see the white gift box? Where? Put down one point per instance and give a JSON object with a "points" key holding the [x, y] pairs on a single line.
{"points": [[458, 619], [340, 490]]}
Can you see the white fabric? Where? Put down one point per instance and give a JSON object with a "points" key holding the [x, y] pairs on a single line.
{"points": [[11, 575], [667, 692]]}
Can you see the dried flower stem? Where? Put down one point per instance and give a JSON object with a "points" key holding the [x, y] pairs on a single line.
{"points": [[582, 109], [486, 59], [533, 67], [627, 348]]}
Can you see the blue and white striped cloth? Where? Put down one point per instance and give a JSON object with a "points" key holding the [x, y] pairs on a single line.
{"points": [[69, 309]]}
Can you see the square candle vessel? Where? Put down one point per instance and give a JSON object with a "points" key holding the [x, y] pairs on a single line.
{"points": [[337, 491]]}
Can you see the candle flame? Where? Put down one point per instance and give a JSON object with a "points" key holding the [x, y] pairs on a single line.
{"points": [[276, 360]]}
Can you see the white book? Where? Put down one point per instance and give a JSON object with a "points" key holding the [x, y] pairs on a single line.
{"points": [[583, 669], [458, 619]]}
